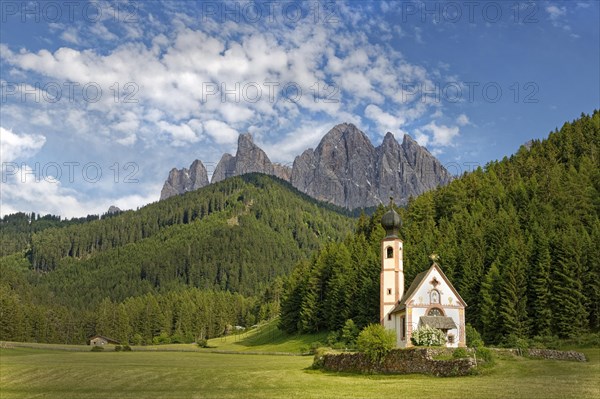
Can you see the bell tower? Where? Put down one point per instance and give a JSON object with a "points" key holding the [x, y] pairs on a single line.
{"points": [[392, 272]]}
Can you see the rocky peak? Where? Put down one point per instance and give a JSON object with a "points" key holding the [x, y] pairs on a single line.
{"points": [[113, 209], [344, 169], [340, 170], [184, 180], [249, 158]]}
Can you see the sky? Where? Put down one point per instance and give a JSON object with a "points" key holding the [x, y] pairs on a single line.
{"points": [[99, 100]]}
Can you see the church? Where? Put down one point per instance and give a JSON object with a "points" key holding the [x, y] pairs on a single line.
{"points": [[430, 299]]}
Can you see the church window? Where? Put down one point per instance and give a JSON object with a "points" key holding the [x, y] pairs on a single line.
{"points": [[390, 316], [450, 339], [390, 252], [389, 291], [435, 296], [435, 312], [403, 336]]}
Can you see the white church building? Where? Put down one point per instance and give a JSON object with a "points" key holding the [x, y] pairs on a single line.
{"points": [[429, 300]]}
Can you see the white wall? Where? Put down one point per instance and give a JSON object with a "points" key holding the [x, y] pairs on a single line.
{"points": [[422, 302]]}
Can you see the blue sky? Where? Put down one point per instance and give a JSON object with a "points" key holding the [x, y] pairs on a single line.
{"points": [[99, 100]]}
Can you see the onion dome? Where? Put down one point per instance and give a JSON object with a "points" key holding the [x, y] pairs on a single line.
{"points": [[391, 221]]}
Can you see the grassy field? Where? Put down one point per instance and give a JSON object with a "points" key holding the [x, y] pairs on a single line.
{"points": [[267, 338], [43, 373]]}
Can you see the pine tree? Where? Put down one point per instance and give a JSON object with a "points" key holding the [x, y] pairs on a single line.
{"points": [[513, 297], [490, 299], [570, 314], [541, 287]]}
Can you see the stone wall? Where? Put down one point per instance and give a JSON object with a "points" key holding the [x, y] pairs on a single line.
{"points": [[398, 361], [556, 355]]}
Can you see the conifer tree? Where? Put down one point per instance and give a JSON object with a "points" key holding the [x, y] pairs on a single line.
{"points": [[570, 314], [541, 286], [490, 298]]}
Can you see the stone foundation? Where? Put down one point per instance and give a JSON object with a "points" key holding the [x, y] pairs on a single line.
{"points": [[556, 355], [399, 361]]}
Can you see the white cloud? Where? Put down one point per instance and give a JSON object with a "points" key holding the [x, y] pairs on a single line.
{"points": [[385, 122], [462, 120], [556, 12], [70, 35], [26, 190], [440, 135], [221, 132], [294, 143], [176, 57], [14, 146], [421, 138], [181, 134]]}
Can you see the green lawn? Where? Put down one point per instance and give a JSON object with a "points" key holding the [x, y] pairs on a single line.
{"points": [[42, 373]]}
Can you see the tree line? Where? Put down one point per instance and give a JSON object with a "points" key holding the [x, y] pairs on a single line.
{"points": [[181, 316], [519, 239], [237, 237]]}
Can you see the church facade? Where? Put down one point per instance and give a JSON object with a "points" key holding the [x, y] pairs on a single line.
{"points": [[430, 300]]}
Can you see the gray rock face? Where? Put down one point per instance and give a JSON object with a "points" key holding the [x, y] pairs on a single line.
{"points": [[113, 209], [345, 169], [340, 170], [406, 170], [249, 158], [282, 171], [225, 168], [183, 180]]}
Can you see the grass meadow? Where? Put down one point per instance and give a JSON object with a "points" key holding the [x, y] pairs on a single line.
{"points": [[45, 373]]}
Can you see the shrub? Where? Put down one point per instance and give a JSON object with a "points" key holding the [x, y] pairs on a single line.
{"points": [[349, 333], [319, 358], [375, 341], [590, 340], [118, 348], [137, 339], [484, 354], [314, 346], [473, 337], [460, 353], [97, 348], [126, 348], [163, 338], [202, 343], [339, 346], [513, 341], [333, 338], [180, 339], [428, 336], [545, 342]]}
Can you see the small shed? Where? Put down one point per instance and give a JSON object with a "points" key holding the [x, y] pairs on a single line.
{"points": [[100, 340]]}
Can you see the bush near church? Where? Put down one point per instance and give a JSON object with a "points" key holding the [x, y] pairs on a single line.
{"points": [[428, 336], [375, 341]]}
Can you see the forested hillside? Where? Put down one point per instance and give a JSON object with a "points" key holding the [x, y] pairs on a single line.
{"points": [[224, 246], [520, 239], [17, 229]]}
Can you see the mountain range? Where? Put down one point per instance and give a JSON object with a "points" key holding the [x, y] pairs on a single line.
{"points": [[345, 169]]}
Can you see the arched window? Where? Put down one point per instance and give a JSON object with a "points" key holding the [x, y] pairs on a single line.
{"points": [[390, 252], [435, 312], [434, 296]]}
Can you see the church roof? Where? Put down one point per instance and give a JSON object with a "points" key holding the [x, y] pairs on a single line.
{"points": [[401, 305], [413, 287], [441, 322]]}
